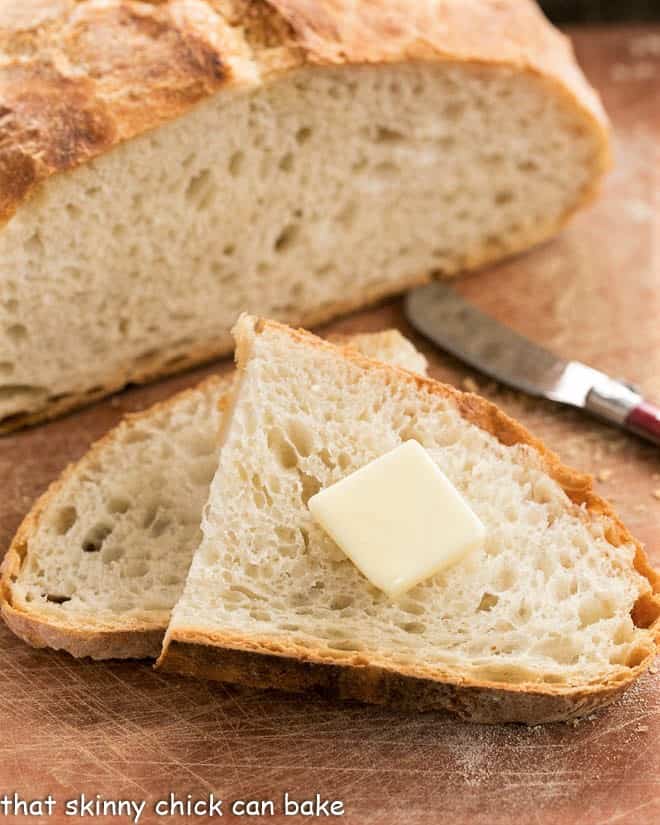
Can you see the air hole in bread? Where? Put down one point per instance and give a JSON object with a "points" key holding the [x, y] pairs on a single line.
{"points": [[236, 163], [528, 166], [244, 592], [118, 505], [387, 171], [503, 197], [416, 628], [286, 238], [286, 162], [199, 186], [55, 598], [65, 519], [282, 448], [303, 135], [310, 487], [412, 607], [301, 437], [326, 458], [387, 135], [95, 537], [488, 602], [305, 537], [159, 526], [341, 602], [17, 333], [505, 673], [561, 649], [347, 645], [286, 534], [150, 514]]}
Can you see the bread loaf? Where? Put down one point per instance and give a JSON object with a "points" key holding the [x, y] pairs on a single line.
{"points": [[553, 617], [165, 166]]}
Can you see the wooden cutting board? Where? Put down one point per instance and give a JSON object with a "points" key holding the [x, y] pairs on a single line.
{"points": [[122, 731]]}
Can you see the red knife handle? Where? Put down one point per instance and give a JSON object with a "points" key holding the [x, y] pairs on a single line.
{"points": [[621, 404], [644, 419]]}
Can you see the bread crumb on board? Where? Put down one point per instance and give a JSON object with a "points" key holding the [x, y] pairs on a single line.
{"points": [[469, 384], [656, 493], [604, 475]]}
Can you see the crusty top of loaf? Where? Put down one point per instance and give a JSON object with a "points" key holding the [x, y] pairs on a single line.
{"points": [[78, 77]]}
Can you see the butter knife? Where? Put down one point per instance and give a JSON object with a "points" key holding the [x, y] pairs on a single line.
{"points": [[441, 314]]}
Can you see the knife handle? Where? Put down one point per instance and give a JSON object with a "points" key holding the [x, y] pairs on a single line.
{"points": [[644, 419], [618, 403]]}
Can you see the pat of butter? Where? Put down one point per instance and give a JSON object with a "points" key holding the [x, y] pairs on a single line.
{"points": [[399, 519]]}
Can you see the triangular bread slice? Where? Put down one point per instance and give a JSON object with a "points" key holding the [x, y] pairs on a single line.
{"points": [[99, 562], [553, 618]]}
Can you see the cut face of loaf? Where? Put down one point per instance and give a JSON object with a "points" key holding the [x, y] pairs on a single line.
{"points": [[549, 620], [98, 564], [310, 194]]}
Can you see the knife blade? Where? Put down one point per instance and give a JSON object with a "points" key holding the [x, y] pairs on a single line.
{"points": [[442, 315]]}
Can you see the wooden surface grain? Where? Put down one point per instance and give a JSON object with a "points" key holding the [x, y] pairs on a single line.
{"points": [[124, 732]]}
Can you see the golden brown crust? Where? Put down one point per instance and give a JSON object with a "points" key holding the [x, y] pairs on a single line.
{"points": [[487, 703], [274, 663], [141, 642], [77, 78]]}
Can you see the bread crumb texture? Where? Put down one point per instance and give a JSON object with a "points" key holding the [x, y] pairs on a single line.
{"points": [[547, 600]]}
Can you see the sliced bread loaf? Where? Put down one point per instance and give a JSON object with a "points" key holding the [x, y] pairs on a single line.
{"points": [[101, 559], [555, 616], [165, 166]]}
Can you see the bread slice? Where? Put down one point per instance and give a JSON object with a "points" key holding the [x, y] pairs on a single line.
{"points": [[165, 166], [556, 616], [101, 559]]}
